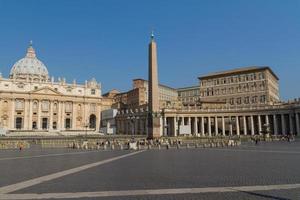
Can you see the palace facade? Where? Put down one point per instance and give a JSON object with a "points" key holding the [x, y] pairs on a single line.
{"points": [[31, 100], [243, 101]]}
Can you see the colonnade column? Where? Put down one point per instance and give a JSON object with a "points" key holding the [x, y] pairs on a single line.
{"points": [[237, 125], [209, 126], [174, 126], [223, 126], [216, 125], [202, 126], [165, 126], [283, 125], [291, 124], [196, 126], [297, 124], [252, 125], [245, 125], [259, 125], [275, 125]]}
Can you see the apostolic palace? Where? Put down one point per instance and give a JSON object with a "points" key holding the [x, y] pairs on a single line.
{"points": [[242, 101]]}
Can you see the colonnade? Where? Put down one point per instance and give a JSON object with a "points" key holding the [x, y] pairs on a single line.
{"points": [[233, 124]]}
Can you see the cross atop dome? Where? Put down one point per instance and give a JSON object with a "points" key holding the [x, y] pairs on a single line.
{"points": [[30, 51]]}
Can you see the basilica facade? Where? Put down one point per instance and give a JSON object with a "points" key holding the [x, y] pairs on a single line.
{"points": [[31, 100]]}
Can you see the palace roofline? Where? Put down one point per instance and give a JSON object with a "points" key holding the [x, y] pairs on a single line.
{"points": [[238, 70]]}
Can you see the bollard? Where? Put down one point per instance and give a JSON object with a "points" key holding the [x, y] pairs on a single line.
{"points": [[159, 147], [112, 147], [121, 147], [187, 146], [104, 147]]}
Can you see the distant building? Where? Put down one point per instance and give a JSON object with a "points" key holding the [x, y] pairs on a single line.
{"points": [[189, 94], [108, 122], [241, 87], [138, 96]]}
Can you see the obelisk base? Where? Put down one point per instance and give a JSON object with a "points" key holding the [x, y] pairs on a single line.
{"points": [[153, 128]]}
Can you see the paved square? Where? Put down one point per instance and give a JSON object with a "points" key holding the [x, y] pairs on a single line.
{"points": [[264, 171]]}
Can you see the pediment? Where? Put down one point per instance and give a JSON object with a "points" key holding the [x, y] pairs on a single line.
{"points": [[46, 90]]}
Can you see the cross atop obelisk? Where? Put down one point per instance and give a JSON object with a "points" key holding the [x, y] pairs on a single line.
{"points": [[153, 93]]}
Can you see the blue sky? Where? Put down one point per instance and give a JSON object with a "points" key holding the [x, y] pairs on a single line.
{"points": [[81, 39]]}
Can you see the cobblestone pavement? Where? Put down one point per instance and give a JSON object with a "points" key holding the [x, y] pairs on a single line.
{"points": [[266, 164]]}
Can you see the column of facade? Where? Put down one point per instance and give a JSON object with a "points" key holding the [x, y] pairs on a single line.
{"points": [[259, 125], [12, 119], [63, 115], [275, 125], [74, 116], [283, 125], [237, 125], [209, 126], [39, 115], [26, 113], [216, 126], [30, 115], [59, 127], [98, 118], [223, 126], [291, 124], [297, 124], [51, 116], [252, 125], [245, 125], [202, 126]]}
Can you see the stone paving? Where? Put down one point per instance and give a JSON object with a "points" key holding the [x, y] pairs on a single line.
{"points": [[266, 164]]}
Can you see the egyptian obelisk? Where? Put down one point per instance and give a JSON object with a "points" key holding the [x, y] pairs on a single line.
{"points": [[153, 93]]}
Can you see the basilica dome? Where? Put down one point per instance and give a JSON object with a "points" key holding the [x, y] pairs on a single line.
{"points": [[29, 67]]}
